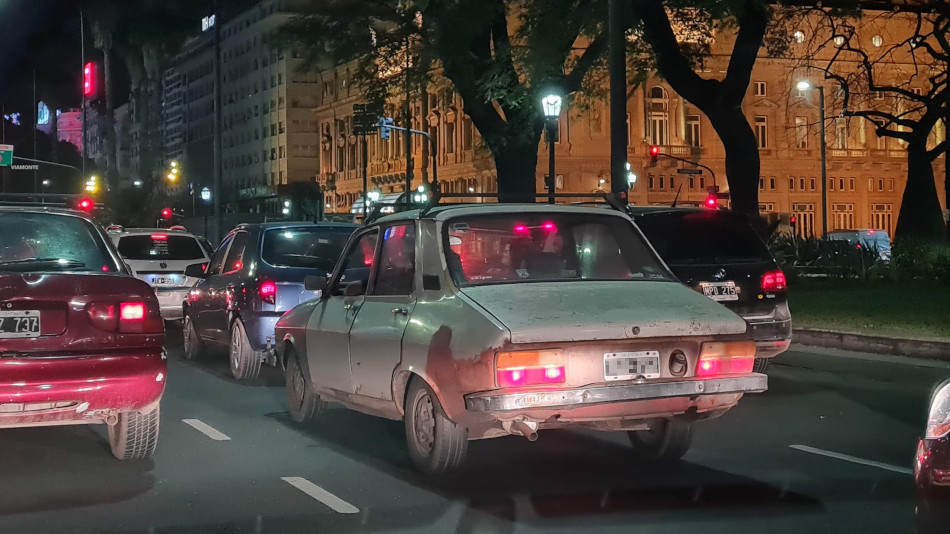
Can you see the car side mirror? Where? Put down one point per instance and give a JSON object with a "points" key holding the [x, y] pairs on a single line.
{"points": [[315, 282], [195, 270], [353, 289]]}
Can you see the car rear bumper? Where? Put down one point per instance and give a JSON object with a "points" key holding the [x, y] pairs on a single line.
{"points": [[260, 329], [527, 399], [79, 389], [170, 301], [771, 337]]}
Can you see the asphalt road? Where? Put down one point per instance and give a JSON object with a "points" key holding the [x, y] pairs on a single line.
{"points": [[774, 464]]}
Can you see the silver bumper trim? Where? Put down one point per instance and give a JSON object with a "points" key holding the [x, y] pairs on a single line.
{"points": [[588, 396]]}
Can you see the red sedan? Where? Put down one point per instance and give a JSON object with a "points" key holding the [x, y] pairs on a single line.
{"points": [[80, 338]]}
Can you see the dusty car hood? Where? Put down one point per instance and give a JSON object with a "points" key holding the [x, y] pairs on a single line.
{"points": [[589, 311]]}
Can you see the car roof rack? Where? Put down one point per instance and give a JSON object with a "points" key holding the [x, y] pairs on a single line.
{"points": [[608, 198]]}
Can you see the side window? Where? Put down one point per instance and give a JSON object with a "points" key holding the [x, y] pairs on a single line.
{"points": [[358, 261], [218, 259], [396, 271], [235, 259]]}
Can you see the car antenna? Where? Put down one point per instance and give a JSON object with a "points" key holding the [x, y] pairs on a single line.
{"points": [[677, 197]]}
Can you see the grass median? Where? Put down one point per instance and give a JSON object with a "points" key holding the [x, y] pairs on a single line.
{"points": [[913, 310]]}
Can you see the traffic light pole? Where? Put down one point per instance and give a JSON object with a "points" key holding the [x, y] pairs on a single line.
{"points": [[435, 165], [700, 165]]}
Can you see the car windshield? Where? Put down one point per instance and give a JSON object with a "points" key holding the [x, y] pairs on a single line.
{"points": [[44, 242], [703, 237], [160, 246], [506, 248], [309, 247]]}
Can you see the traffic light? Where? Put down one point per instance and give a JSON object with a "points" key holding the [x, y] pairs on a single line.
{"points": [[654, 153], [792, 221], [89, 79], [712, 202], [86, 204], [384, 124], [166, 213]]}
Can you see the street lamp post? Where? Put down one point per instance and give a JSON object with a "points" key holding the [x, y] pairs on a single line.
{"points": [[805, 85], [551, 106]]}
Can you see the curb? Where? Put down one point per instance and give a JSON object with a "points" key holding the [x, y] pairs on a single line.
{"points": [[937, 350]]}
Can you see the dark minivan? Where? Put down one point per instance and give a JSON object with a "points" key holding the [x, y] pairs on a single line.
{"points": [[719, 254], [254, 276]]}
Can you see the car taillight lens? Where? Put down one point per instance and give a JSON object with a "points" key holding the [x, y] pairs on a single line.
{"points": [[268, 292], [132, 311], [136, 317], [773, 281], [726, 358], [102, 316], [529, 368]]}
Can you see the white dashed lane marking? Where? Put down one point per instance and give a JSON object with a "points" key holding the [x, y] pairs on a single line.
{"points": [[206, 429], [335, 503], [853, 459]]}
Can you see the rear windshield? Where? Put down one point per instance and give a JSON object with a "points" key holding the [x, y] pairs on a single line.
{"points": [[160, 246], [312, 248], [49, 242], [496, 249], [703, 237]]}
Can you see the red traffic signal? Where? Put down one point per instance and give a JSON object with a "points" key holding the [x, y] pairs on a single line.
{"points": [[166, 213], [89, 79], [654, 153], [792, 220], [86, 204], [712, 202]]}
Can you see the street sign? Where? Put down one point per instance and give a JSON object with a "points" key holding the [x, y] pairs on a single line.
{"points": [[6, 155], [689, 171]]}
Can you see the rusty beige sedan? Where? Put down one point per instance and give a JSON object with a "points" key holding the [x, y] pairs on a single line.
{"points": [[480, 321]]}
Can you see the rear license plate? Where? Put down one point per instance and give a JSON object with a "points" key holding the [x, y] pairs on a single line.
{"points": [[164, 280], [631, 365], [19, 323], [720, 291]]}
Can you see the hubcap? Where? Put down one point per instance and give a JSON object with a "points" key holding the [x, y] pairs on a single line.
{"points": [[424, 423], [236, 342], [296, 384]]}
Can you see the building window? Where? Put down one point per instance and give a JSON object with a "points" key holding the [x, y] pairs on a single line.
{"points": [[273, 154], [791, 183], [659, 106], [801, 132], [881, 217], [761, 183], [282, 152], [692, 183], [831, 184], [880, 185], [450, 138], [672, 182], [801, 184], [693, 132], [842, 216], [841, 134], [891, 184], [767, 207], [651, 183], [870, 184], [812, 185], [840, 184], [805, 219], [851, 184], [662, 182], [772, 183], [759, 88], [761, 131]]}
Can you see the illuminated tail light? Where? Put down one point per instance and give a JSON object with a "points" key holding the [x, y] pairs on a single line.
{"points": [[132, 317], [773, 281], [268, 292], [529, 368], [726, 358], [132, 311]]}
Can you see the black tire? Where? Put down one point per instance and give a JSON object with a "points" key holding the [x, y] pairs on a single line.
{"points": [[761, 365], [193, 345], [302, 402], [135, 435], [436, 444], [667, 439], [245, 361]]}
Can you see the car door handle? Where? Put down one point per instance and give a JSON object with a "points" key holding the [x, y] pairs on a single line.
{"points": [[400, 311]]}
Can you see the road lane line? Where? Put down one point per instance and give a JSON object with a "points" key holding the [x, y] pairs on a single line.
{"points": [[335, 503], [853, 459], [206, 429]]}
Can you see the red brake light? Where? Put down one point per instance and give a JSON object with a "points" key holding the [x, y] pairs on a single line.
{"points": [[773, 281], [166, 213], [521, 229], [726, 358], [712, 202], [268, 292], [105, 268], [529, 368], [160, 237], [549, 227], [86, 204], [132, 311]]}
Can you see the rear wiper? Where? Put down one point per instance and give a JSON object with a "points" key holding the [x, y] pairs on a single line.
{"points": [[41, 262]]}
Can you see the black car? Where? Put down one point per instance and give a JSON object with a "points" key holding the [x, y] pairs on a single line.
{"points": [[719, 254], [932, 467], [254, 276]]}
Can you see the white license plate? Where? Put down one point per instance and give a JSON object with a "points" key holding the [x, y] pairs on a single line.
{"points": [[166, 280], [720, 291], [631, 365], [19, 323]]}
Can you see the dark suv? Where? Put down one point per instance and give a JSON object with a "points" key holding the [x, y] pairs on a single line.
{"points": [[254, 276], [719, 254]]}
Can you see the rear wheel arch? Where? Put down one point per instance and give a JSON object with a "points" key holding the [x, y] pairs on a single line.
{"points": [[401, 380]]}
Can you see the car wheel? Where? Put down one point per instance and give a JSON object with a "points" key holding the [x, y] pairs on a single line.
{"points": [[301, 400], [135, 435], [761, 365], [436, 444], [194, 347], [668, 439], [245, 361]]}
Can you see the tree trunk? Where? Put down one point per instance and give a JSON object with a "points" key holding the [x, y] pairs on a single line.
{"points": [[517, 166], [920, 216], [742, 158]]}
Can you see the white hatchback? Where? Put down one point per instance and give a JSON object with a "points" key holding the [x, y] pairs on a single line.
{"points": [[159, 256]]}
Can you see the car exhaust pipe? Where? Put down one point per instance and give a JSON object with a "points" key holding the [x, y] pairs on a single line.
{"points": [[112, 419], [524, 429]]}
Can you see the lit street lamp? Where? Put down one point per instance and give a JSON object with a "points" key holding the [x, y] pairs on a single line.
{"points": [[803, 86], [551, 106], [46, 182]]}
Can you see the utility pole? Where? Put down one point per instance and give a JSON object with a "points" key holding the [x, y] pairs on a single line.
{"points": [[408, 111], [82, 66], [217, 192], [36, 123], [617, 68]]}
